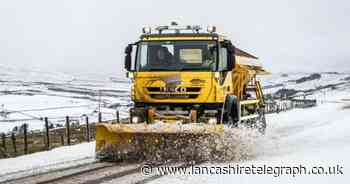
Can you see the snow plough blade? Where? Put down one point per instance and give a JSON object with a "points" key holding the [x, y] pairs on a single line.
{"points": [[152, 142]]}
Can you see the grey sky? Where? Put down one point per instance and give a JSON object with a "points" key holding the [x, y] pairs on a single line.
{"points": [[87, 36]]}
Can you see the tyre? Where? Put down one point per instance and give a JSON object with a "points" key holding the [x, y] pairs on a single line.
{"points": [[230, 115]]}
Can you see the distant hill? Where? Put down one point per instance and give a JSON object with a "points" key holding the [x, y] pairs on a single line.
{"points": [[311, 77]]}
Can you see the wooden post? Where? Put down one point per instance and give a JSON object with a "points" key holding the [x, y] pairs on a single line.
{"points": [[68, 130], [193, 116], [47, 133], [25, 138], [3, 137], [99, 117], [62, 139], [13, 138], [87, 129], [117, 117]]}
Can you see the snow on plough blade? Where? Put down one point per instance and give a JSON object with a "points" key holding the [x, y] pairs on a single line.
{"points": [[153, 142]]}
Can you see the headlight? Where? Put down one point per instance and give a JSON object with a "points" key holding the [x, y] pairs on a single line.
{"points": [[213, 121], [135, 119]]}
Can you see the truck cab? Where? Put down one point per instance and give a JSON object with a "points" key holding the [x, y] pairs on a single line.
{"points": [[189, 75]]}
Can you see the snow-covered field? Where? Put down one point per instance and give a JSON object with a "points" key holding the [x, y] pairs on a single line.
{"points": [[27, 96], [273, 83]]}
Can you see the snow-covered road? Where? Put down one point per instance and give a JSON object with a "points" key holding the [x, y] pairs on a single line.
{"points": [[317, 136], [63, 157]]}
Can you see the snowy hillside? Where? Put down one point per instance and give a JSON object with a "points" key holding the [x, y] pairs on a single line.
{"points": [[303, 83], [26, 96]]}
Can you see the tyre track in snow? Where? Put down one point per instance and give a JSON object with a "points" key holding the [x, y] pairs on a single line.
{"points": [[42, 170], [56, 175], [140, 178], [119, 173], [99, 172]]}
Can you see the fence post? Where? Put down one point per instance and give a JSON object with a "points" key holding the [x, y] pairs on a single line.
{"points": [[99, 117], [47, 133], [13, 138], [117, 117], [3, 137], [62, 139], [87, 129], [68, 130], [25, 138]]}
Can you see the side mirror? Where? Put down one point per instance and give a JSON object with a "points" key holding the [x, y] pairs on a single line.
{"points": [[128, 59], [231, 58]]}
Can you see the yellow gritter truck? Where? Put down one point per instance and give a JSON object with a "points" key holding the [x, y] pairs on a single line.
{"points": [[186, 83]]}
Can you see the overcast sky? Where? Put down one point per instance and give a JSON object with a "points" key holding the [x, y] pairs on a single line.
{"points": [[88, 36]]}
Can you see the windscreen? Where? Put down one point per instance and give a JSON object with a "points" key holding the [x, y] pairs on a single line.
{"points": [[176, 56]]}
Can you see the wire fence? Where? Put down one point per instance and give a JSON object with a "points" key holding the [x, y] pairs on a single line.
{"points": [[277, 106], [25, 141]]}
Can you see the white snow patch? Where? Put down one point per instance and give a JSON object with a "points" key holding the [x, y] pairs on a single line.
{"points": [[62, 157]]}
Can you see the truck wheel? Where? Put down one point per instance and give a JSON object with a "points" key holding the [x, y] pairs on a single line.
{"points": [[230, 115]]}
